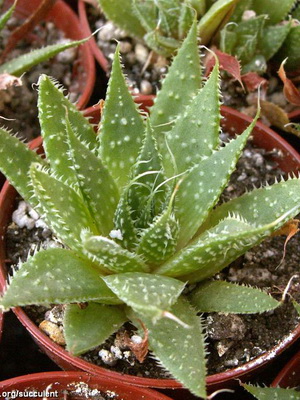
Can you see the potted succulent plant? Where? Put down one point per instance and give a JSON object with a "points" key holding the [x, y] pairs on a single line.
{"points": [[73, 385], [128, 204], [65, 20], [266, 393], [259, 31], [159, 26]]}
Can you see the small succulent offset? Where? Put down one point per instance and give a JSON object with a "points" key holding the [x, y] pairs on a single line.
{"points": [[259, 30], [17, 66], [164, 23], [135, 206]]}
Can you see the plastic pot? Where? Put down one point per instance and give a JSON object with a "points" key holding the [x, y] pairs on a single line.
{"points": [[60, 382], [289, 376], [233, 122], [65, 19]]}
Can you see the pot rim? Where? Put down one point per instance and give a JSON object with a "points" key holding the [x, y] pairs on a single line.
{"points": [[68, 377], [212, 380], [65, 19]]}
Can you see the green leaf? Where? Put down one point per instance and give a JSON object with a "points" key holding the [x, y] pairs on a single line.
{"points": [[214, 18], [297, 306], [148, 294], [159, 241], [272, 393], [178, 88], [290, 50], [226, 297], [53, 106], [15, 160], [180, 349], [17, 66], [112, 255], [64, 208], [6, 16], [187, 15], [239, 10], [277, 11], [261, 206], [56, 276], [201, 188], [96, 184], [196, 132], [161, 44], [123, 223], [217, 247], [144, 200], [121, 127], [124, 16], [147, 14], [87, 328], [272, 39]]}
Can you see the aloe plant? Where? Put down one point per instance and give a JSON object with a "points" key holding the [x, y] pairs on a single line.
{"points": [[269, 32], [136, 207], [164, 23], [17, 66]]}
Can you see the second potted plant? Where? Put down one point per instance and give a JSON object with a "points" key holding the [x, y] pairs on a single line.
{"points": [[139, 224]]}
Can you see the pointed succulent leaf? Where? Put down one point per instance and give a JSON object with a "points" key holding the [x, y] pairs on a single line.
{"points": [[214, 18], [87, 328], [261, 206], [187, 15], [23, 63], [227, 297], [56, 276], [290, 49], [196, 132], [144, 201], [124, 224], [6, 16], [146, 12], [64, 209], [15, 160], [276, 13], [179, 87], [124, 16], [52, 106], [180, 349], [112, 255], [272, 393], [161, 44], [201, 188], [168, 16], [148, 294], [273, 38], [159, 241], [212, 251], [95, 182], [121, 126]]}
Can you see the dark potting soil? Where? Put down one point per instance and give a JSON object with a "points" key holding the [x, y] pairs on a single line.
{"points": [[232, 339], [19, 104], [143, 68]]}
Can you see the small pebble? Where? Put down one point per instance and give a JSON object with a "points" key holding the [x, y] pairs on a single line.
{"points": [[141, 53], [53, 331], [146, 87], [125, 47]]}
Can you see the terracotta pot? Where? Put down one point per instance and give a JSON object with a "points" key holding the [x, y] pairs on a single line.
{"points": [[233, 122], [295, 115], [289, 376], [98, 54], [61, 381], [65, 19]]}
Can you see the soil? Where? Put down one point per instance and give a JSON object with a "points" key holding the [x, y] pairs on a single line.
{"points": [[18, 105], [232, 339], [144, 69]]}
